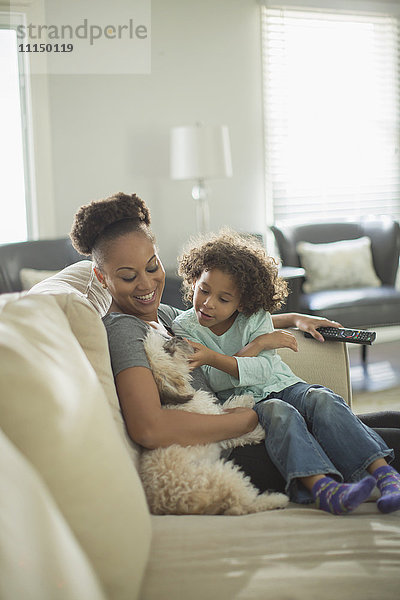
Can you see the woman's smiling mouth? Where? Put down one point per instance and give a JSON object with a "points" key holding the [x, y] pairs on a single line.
{"points": [[147, 298]]}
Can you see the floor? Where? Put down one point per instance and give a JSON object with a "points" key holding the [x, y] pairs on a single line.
{"points": [[377, 387]]}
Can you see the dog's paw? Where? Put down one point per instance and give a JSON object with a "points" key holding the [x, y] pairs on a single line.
{"points": [[253, 437], [271, 501]]}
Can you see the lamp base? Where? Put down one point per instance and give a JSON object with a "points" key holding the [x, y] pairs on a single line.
{"points": [[200, 196]]}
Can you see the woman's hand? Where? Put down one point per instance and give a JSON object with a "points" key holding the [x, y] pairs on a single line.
{"points": [[248, 413], [309, 324]]}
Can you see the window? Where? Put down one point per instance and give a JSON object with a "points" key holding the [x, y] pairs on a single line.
{"points": [[331, 106], [15, 186]]}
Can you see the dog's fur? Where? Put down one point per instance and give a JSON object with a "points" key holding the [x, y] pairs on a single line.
{"points": [[194, 479]]}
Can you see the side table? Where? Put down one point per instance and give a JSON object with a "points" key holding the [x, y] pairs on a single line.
{"points": [[294, 276]]}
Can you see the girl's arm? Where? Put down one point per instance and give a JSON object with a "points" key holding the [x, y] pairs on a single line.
{"points": [[305, 323], [228, 364], [224, 372], [252, 370], [152, 426], [279, 338]]}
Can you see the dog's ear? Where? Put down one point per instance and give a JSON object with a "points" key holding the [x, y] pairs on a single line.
{"points": [[170, 367], [170, 346], [178, 343]]}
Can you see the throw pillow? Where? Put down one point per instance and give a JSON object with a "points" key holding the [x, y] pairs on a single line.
{"points": [[344, 264], [88, 328], [77, 291], [30, 277]]}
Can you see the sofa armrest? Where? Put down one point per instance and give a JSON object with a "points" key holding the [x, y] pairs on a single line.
{"points": [[324, 363]]}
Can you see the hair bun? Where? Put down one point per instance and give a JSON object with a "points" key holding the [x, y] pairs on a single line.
{"points": [[92, 219]]}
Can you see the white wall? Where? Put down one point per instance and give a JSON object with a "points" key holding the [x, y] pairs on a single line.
{"points": [[111, 133]]}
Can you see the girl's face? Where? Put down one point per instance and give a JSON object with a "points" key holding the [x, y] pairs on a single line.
{"points": [[134, 276], [216, 301]]}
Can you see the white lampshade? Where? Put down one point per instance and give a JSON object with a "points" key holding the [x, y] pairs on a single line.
{"points": [[200, 152]]}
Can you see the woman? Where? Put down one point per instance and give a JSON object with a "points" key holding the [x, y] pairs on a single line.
{"points": [[116, 233]]}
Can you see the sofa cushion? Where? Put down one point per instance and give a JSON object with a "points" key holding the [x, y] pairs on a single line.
{"points": [[53, 408], [39, 555], [344, 264], [299, 553]]}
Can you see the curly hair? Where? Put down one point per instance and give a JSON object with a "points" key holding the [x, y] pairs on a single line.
{"points": [[100, 222], [243, 258]]}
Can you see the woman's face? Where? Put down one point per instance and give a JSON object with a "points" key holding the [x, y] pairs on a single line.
{"points": [[134, 276]]}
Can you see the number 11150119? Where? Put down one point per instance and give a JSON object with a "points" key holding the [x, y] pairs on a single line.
{"points": [[45, 47]]}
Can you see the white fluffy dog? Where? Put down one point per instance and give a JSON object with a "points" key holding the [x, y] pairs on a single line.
{"points": [[194, 479]]}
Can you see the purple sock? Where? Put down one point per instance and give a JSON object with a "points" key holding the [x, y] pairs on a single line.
{"points": [[341, 498], [388, 482]]}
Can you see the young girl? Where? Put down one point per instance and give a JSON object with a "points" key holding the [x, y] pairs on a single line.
{"points": [[312, 436]]}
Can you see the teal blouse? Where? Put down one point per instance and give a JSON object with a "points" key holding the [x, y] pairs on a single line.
{"points": [[259, 375]]}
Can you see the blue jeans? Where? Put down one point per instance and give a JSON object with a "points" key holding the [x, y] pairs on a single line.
{"points": [[310, 430]]}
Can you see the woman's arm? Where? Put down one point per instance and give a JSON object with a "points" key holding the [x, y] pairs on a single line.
{"points": [[305, 323], [152, 426]]}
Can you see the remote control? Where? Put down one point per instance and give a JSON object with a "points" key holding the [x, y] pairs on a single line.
{"points": [[340, 334]]}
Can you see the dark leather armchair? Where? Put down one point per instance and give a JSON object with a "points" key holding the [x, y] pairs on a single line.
{"points": [[358, 307], [46, 255]]}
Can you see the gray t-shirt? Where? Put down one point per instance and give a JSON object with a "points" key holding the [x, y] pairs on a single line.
{"points": [[126, 335]]}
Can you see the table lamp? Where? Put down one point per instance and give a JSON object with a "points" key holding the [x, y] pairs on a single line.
{"points": [[200, 152]]}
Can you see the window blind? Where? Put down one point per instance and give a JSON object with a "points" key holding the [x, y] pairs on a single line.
{"points": [[331, 114]]}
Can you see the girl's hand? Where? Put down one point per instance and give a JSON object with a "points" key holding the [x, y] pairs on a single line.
{"points": [[309, 324], [202, 355], [280, 338], [205, 356]]}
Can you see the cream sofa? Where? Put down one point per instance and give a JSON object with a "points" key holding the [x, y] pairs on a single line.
{"points": [[74, 519]]}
